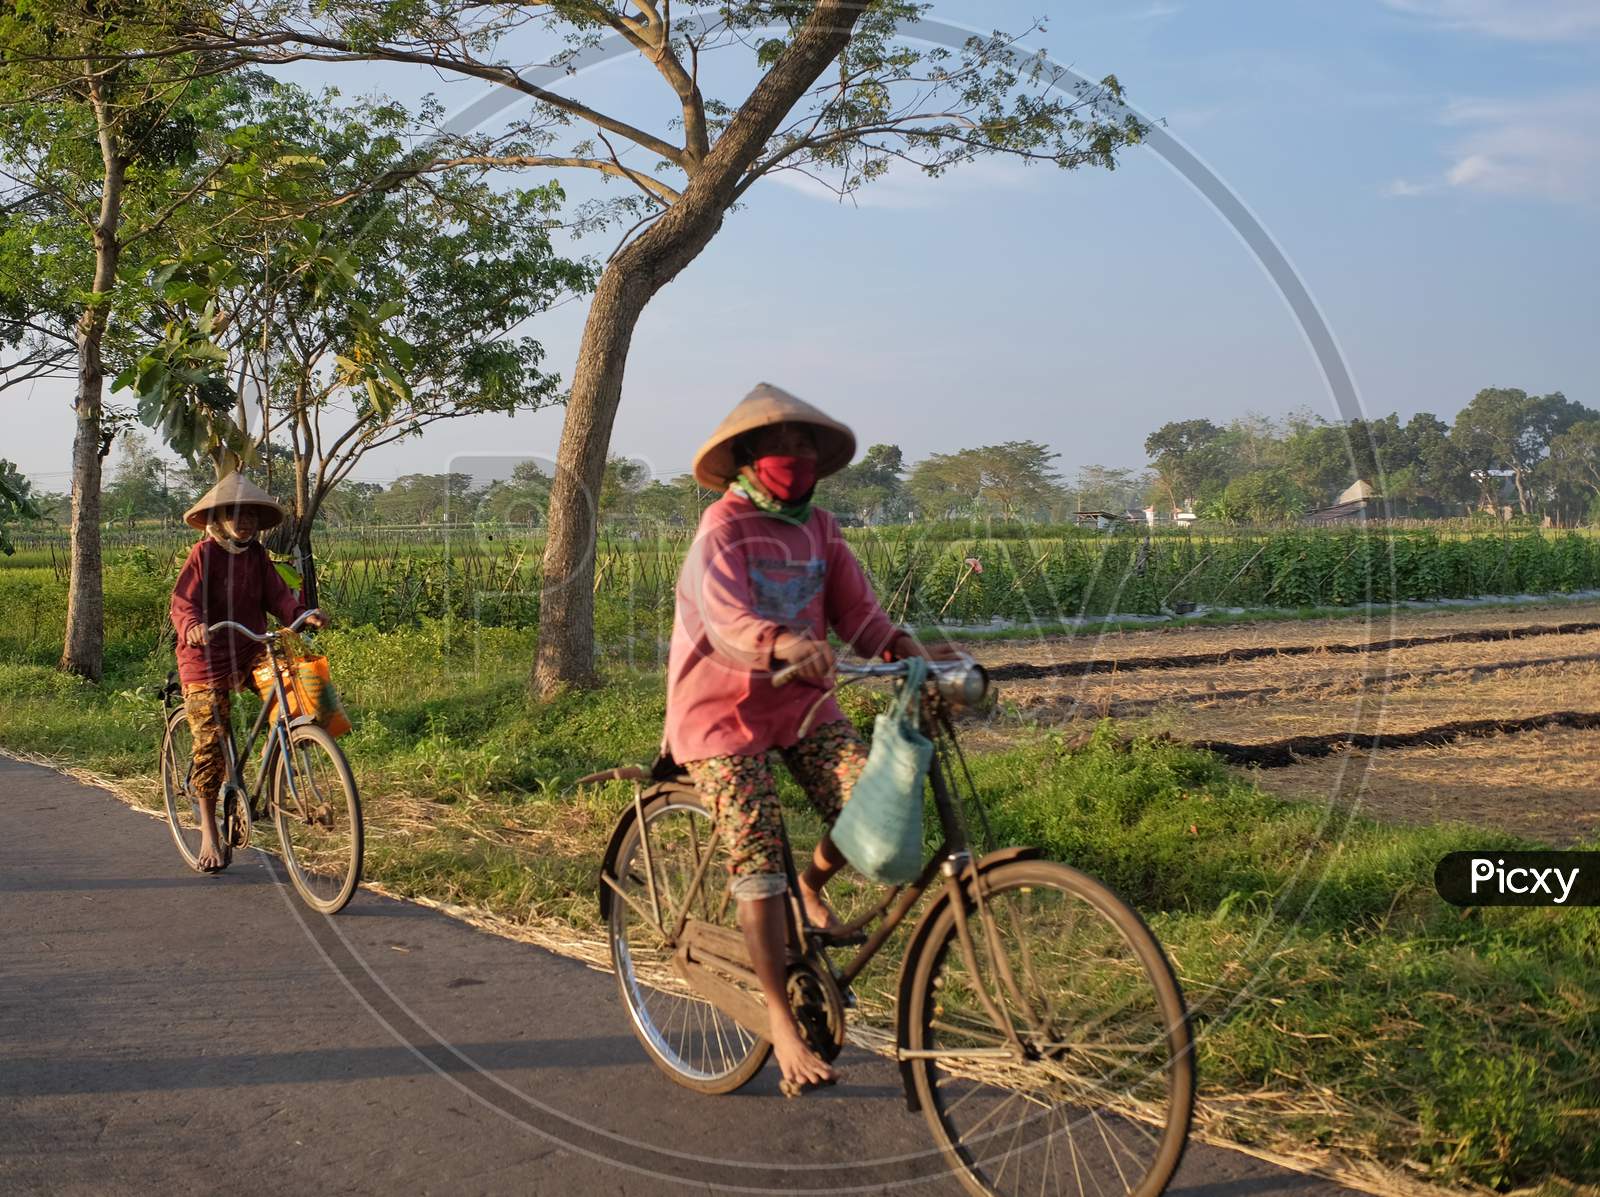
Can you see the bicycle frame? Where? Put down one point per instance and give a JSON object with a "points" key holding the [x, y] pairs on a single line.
{"points": [[953, 862], [277, 740]]}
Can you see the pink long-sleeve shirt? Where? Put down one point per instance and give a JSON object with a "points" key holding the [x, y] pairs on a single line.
{"points": [[216, 585], [748, 578]]}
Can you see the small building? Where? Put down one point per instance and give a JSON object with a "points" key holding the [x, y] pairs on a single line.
{"points": [[1356, 504], [1100, 519]]}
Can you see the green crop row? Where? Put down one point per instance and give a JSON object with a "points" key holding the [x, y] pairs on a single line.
{"points": [[921, 579]]}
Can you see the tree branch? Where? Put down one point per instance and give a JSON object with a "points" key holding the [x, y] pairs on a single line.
{"points": [[649, 183], [338, 50]]}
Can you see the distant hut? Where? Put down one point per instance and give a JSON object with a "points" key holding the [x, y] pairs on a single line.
{"points": [[1100, 519], [1356, 503]]}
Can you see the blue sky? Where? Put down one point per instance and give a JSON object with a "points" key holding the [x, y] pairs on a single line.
{"points": [[1431, 167]]}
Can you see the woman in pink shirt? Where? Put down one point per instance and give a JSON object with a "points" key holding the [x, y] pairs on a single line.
{"points": [[767, 578]]}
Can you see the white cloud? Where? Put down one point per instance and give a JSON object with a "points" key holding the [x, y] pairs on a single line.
{"points": [[1546, 148], [1518, 20]]}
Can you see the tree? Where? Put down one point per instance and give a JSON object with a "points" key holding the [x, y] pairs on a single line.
{"points": [[428, 499], [1012, 480], [396, 308], [352, 503], [1189, 459], [104, 149], [871, 491], [16, 502], [140, 487], [1317, 456], [1442, 478], [1106, 488], [678, 503], [887, 101], [521, 499], [623, 480], [1575, 460], [1505, 428], [1261, 497]]}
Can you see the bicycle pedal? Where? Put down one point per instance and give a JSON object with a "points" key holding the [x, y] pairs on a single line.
{"points": [[853, 940]]}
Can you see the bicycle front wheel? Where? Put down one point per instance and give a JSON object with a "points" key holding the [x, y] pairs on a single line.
{"points": [[1101, 1100], [318, 817], [689, 1039]]}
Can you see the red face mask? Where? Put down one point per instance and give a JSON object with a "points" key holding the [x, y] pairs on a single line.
{"points": [[786, 479]]}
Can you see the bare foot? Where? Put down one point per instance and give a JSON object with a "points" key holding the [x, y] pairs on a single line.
{"points": [[800, 1065], [818, 913], [210, 857]]}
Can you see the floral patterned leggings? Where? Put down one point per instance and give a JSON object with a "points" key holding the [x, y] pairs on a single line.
{"points": [[744, 800], [209, 708]]}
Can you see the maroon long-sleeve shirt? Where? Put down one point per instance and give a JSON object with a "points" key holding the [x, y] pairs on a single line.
{"points": [[216, 585]]}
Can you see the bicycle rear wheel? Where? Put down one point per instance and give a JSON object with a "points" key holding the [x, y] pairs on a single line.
{"points": [[1102, 1100], [688, 1038], [183, 807], [318, 820]]}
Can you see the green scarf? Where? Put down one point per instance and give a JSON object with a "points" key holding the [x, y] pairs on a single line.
{"points": [[789, 513]]}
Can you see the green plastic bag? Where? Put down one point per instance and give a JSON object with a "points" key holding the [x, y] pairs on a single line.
{"points": [[880, 829]]}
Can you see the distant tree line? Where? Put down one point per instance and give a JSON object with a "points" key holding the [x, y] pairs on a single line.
{"points": [[1508, 453]]}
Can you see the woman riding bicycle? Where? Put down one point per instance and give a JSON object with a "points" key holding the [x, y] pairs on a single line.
{"points": [[227, 576], [766, 579]]}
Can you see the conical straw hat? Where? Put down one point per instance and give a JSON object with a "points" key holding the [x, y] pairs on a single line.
{"points": [[235, 491], [714, 466]]}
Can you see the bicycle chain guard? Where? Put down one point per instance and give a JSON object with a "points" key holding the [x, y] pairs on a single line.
{"points": [[818, 1007], [236, 817]]}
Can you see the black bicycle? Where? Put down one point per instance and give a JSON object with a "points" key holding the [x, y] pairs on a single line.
{"points": [[312, 793]]}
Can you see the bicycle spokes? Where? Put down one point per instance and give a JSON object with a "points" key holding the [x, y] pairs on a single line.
{"points": [[1098, 1097], [318, 818], [687, 1035]]}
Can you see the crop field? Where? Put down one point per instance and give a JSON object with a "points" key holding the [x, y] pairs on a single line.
{"points": [[926, 574], [1490, 717]]}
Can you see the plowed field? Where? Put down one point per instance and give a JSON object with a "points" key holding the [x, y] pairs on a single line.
{"points": [[1486, 717]]}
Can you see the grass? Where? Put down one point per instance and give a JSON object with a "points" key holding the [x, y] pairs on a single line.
{"points": [[1340, 1002]]}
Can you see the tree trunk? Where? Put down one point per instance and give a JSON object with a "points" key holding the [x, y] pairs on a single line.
{"points": [[566, 600], [83, 649], [566, 603]]}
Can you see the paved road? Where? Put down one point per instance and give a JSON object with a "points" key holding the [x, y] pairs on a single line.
{"points": [[166, 1032]]}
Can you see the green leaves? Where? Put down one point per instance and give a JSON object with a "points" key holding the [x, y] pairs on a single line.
{"points": [[16, 501]]}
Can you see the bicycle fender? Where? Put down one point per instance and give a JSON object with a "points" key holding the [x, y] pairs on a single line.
{"points": [[654, 796], [919, 942]]}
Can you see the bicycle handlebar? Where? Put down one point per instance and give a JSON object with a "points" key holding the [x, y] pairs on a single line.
{"points": [[936, 669], [230, 625]]}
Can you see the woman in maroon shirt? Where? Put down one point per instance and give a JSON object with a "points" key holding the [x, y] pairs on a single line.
{"points": [[227, 576]]}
